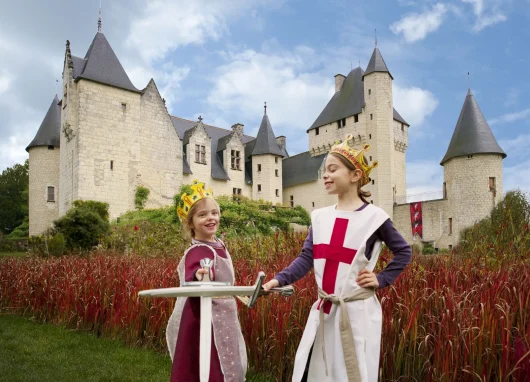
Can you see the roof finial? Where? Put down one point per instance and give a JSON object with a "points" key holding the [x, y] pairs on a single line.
{"points": [[375, 34], [468, 81], [57, 87], [265, 108], [99, 18], [200, 118]]}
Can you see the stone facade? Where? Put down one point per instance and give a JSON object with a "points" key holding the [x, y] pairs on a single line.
{"points": [[267, 178], [43, 173]]}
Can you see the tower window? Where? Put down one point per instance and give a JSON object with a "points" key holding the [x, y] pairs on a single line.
{"points": [[373, 181], [313, 203], [277, 173], [371, 116], [275, 159], [492, 184], [356, 118], [369, 91], [370, 136], [259, 187], [370, 158], [123, 106], [469, 156], [371, 201], [51, 194], [402, 127], [51, 148], [259, 167], [317, 131], [450, 226], [445, 190], [112, 165], [277, 192], [291, 200]]}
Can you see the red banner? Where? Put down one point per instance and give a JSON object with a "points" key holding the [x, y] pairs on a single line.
{"points": [[416, 220]]}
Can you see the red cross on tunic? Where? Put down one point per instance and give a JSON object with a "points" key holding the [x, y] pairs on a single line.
{"points": [[334, 253]]}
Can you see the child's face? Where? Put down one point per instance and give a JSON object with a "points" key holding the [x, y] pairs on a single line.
{"points": [[338, 179], [206, 219]]}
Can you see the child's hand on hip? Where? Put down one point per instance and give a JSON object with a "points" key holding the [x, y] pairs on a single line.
{"points": [[199, 275], [367, 279]]}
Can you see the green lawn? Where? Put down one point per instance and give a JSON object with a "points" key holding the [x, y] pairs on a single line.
{"points": [[12, 254], [31, 351]]}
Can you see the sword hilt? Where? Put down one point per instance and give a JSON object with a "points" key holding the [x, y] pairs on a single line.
{"points": [[207, 264]]}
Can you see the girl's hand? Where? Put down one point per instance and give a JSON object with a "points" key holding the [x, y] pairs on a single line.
{"points": [[367, 279], [271, 284], [201, 272]]}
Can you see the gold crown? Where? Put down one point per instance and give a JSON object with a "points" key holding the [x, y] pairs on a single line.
{"points": [[187, 201], [355, 157]]}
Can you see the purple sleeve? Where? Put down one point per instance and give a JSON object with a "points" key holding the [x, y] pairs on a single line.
{"points": [[300, 266], [399, 248]]}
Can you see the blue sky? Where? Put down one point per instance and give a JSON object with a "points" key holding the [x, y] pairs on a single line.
{"points": [[223, 59]]}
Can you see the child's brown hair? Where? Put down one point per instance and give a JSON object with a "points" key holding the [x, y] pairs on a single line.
{"points": [[362, 193]]}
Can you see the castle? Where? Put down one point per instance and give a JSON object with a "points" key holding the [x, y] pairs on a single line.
{"points": [[105, 138]]}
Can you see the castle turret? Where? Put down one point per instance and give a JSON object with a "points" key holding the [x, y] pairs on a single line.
{"points": [[379, 116], [266, 160], [44, 172], [472, 170]]}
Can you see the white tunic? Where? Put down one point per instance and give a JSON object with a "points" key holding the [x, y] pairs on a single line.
{"points": [[337, 237]]}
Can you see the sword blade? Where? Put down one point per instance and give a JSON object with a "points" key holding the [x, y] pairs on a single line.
{"points": [[205, 338]]}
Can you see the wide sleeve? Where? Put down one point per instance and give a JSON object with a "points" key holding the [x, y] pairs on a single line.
{"points": [[399, 248], [301, 265], [193, 259]]}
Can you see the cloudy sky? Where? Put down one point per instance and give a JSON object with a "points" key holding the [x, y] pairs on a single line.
{"points": [[223, 58]]}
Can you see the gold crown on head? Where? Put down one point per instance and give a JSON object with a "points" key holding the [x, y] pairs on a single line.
{"points": [[355, 157], [187, 201]]}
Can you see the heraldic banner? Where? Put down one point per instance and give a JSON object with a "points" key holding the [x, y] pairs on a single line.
{"points": [[416, 220]]}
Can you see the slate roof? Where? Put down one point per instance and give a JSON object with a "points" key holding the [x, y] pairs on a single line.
{"points": [[49, 132], [301, 168], [377, 64], [101, 65], [184, 129], [472, 133], [265, 140]]}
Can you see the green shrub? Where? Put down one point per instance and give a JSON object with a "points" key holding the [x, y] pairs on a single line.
{"points": [[100, 208], [22, 231], [82, 228], [57, 244], [141, 196]]}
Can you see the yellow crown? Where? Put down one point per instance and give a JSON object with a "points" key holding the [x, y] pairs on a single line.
{"points": [[356, 157], [187, 201]]}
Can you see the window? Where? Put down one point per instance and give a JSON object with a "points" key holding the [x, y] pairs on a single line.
{"points": [[236, 160], [291, 200], [200, 154], [369, 91], [51, 194], [341, 123], [373, 181], [112, 165], [317, 131], [370, 136], [370, 158], [277, 173], [371, 201], [356, 118], [402, 127], [236, 191], [469, 156], [51, 148], [275, 159], [445, 190], [259, 187], [259, 167], [492, 184], [371, 116], [277, 192], [450, 226], [123, 106], [313, 203], [450, 247]]}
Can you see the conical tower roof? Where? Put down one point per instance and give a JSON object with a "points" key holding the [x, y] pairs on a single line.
{"points": [[265, 142], [50, 128], [377, 64], [472, 133]]}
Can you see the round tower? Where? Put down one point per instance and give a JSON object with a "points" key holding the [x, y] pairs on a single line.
{"points": [[44, 172], [472, 170], [379, 116]]}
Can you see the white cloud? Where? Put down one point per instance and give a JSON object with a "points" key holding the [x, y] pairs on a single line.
{"points": [[517, 177], [416, 26], [281, 78], [517, 148], [5, 81], [424, 180], [414, 104], [486, 14], [510, 117]]}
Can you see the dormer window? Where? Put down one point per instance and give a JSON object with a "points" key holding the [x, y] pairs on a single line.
{"points": [[200, 154], [236, 159]]}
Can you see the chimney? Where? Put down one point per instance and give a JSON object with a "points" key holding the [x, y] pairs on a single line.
{"points": [[238, 129], [281, 141], [339, 80]]}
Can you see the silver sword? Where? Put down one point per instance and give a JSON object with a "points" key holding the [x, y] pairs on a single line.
{"points": [[205, 344]]}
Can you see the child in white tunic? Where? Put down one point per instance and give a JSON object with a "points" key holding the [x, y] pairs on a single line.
{"points": [[341, 341]]}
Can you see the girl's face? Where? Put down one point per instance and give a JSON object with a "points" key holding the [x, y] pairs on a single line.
{"points": [[338, 179], [206, 220]]}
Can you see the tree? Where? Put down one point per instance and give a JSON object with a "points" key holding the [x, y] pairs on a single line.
{"points": [[14, 182]]}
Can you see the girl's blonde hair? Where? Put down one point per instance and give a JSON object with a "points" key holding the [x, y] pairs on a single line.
{"points": [[187, 225], [362, 193]]}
